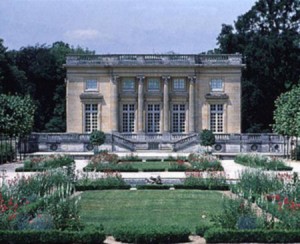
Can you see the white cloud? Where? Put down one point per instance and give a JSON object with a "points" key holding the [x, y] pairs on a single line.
{"points": [[83, 34]]}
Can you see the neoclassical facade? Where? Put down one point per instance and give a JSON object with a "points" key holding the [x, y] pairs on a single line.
{"points": [[154, 94]]}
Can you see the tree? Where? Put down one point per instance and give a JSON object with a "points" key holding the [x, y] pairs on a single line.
{"points": [[97, 137], [207, 138], [287, 113], [16, 115], [268, 37], [11, 78]]}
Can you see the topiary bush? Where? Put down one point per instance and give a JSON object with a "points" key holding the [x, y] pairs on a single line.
{"points": [[97, 137], [207, 138]]}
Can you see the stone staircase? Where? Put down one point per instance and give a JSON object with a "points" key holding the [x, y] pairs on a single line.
{"points": [[156, 142]]}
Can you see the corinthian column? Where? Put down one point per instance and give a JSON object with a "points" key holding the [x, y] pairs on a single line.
{"points": [[140, 104], [114, 103], [166, 105], [192, 104]]}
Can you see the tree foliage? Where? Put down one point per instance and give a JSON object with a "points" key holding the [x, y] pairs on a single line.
{"points": [[287, 113], [38, 71], [207, 138], [97, 137], [16, 115], [268, 37]]}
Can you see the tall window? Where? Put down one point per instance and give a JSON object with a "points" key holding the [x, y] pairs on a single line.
{"points": [[153, 84], [216, 117], [216, 85], [91, 117], [128, 84], [153, 117], [91, 85], [128, 117], [178, 84], [178, 117]]}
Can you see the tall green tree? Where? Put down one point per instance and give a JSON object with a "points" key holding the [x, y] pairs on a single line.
{"points": [[16, 115], [11, 78], [287, 113], [268, 37]]}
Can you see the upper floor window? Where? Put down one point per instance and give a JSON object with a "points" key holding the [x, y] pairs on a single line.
{"points": [[91, 85], [128, 84], [153, 85], [216, 85], [179, 84]]}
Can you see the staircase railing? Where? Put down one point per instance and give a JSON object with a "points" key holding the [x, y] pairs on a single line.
{"points": [[122, 141], [187, 141]]}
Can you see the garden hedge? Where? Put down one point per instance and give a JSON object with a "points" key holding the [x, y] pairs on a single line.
{"points": [[218, 235], [22, 169], [52, 236], [101, 187], [203, 187], [153, 187], [148, 234], [116, 169]]}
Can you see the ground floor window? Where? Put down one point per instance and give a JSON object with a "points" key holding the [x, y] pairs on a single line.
{"points": [[216, 117], [91, 117], [178, 118], [153, 118], [128, 117]]}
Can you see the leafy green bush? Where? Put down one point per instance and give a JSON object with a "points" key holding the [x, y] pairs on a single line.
{"points": [[97, 137], [202, 228], [207, 138], [258, 161], [152, 234], [52, 236], [219, 235]]}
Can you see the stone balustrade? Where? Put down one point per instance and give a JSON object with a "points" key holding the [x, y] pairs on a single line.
{"points": [[155, 59]]}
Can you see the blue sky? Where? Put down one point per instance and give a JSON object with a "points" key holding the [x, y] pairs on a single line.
{"points": [[119, 26]]}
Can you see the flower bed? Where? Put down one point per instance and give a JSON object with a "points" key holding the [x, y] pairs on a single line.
{"points": [[39, 203], [257, 161], [103, 183], [45, 163]]}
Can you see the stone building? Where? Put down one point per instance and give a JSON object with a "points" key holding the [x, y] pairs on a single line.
{"points": [[154, 94]]}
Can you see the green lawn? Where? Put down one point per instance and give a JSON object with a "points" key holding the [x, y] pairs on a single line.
{"points": [[118, 207]]}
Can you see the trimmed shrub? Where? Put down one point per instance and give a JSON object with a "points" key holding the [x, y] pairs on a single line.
{"points": [[111, 182], [152, 234], [219, 235], [203, 187], [153, 187], [97, 137], [202, 228], [52, 236], [95, 187]]}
